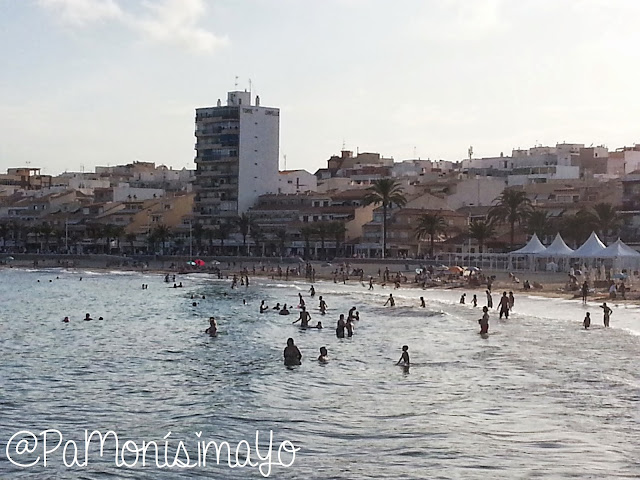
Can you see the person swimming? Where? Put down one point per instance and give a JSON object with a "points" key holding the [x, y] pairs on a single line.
{"points": [[323, 355], [87, 317], [65, 319], [284, 310], [213, 327], [303, 318], [587, 321], [263, 307], [292, 355], [340, 327], [404, 358], [277, 307]]}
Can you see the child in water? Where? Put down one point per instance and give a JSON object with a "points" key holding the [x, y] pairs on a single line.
{"points": [[213, 327], [484, 321], [587, 321], [404, 358]]}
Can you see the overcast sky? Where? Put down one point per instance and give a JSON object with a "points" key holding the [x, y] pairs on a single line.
{"points": [[97, 82]]}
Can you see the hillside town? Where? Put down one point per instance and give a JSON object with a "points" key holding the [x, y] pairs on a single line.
{"points": [[361, 205]]}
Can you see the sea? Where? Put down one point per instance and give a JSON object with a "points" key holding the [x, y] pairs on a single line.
{"points": [[539, 398]]}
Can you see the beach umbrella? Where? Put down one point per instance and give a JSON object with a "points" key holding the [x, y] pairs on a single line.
{"points": [[199, 262]]}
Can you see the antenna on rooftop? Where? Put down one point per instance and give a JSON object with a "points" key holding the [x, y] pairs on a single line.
{"points": [[470, 152], [236, 84], [249, 85]]}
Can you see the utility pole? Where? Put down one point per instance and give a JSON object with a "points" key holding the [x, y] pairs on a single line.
{"points": [[190, 241]]}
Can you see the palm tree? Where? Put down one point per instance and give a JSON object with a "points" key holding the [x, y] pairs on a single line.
{"points": [[222, 232], [512, 206], [197, 231], [481, 230], [322, 229], [307, 232], [131, 237], [540, 223], [162, 233], [430, 225], [245, 224], [46, 230], [95, 233], [387, 192], [282, 236], [338, 230], [575, 228], [607, 219], [258, 236]]}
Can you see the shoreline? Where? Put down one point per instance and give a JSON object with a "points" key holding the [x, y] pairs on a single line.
{"points": [[553, 282]]}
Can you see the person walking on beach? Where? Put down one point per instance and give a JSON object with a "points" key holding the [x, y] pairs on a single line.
{"points": [[587, 321], [489, 299], [390, 301], [292, 355], [404, 358], [504, 305], [484, 321], [585, 291], [607, 313], [340, 327]]}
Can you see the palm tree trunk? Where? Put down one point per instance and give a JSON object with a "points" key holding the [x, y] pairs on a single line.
{"points": [[513, 233], [431, 246], [384, 229]]}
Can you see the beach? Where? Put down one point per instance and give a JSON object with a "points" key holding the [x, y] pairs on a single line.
{"points": [[535, 398]]}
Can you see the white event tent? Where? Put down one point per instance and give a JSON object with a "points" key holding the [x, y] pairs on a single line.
{"points": [[558, 248], [534, 247], [618, 249], [592, 248]]}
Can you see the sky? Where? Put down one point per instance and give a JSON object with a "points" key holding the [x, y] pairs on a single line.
{"points": [[106, 82]]}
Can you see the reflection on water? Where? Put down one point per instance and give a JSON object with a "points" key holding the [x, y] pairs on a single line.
{"points": [[539, 397]]}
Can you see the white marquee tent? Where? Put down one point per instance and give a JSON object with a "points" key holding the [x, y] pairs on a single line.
{"points": [[534, 247], [619, 250], [592, 248], [558, 248]]}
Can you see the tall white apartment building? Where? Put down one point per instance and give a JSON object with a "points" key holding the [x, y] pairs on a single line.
{"points": [[237, 153]]}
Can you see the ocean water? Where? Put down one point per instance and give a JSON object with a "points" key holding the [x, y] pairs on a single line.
{"points": [[539, 398]]}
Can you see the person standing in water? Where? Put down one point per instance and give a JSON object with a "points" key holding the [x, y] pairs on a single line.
{"points": [[474, 301], [489, 299], [263, 307], [587, 321], [607, 313], [340, 327], [404, 358], [312, 291], [292, 355], [422, 304], [390, 301], [462, 298], [585, 292], [322, 306], [301, 303], [323, 355], [213, 327], [512, 300], [504, 305], [303, 319], [349, 326], [370, 283], [484, 321]]}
